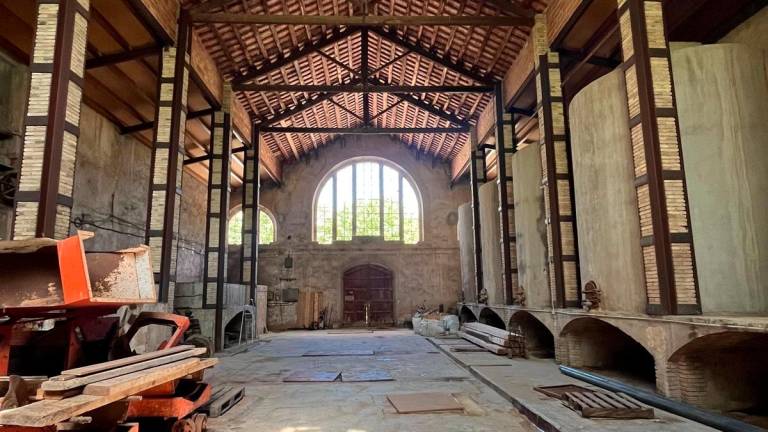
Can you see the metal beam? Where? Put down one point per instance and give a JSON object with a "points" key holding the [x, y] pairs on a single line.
{"points": [[110, 59], [298, 54], [434, 57], [364, 130], [361, 88], [149, 125], [363, 20], [364, 70]]}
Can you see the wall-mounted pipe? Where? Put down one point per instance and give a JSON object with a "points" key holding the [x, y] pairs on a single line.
{"points": [[682, 409]]}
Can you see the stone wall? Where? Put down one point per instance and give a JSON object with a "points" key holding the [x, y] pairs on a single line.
{"points": [[426, 273]]}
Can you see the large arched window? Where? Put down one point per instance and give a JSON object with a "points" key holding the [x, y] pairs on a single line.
{"points": [[367, 198], [266, 228]]}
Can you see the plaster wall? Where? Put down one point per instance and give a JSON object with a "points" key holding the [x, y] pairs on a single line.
{"points": [[752, 32], [426, 273], [721, 91], [489, 236], [467, 252], [530, 227], [606, 201]]}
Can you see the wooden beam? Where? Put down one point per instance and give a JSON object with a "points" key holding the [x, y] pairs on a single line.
{"points": [[361, 88], [296, 55], [433, 56], [364, 130], [362, 21]]}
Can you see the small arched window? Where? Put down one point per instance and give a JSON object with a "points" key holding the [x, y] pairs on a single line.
{"points": [[367, 198], [266, 228]]}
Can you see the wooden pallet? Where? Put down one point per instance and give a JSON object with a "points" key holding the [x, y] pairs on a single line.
{"points": [[606, 405], [222, 400]]}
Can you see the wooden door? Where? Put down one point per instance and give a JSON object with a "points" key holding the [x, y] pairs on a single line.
{"points": [[368, 287]]}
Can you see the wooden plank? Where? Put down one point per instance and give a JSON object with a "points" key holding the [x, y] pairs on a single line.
{"points": [[127, 385], [87, 370], [62, 385], [488, 329], [490, 347], [50, 412], [488, 338]]}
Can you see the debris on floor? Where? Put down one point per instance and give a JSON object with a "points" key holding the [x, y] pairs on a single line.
{"points": [[495, 340], [411, 403]]}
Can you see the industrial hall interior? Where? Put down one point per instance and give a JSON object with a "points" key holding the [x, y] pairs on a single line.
{"points": [[383, 215]]}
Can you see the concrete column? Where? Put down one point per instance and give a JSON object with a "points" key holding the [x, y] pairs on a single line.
{"points": [[477, 175], [666, 240], [251, 187], [215, 265], [167, 163], [44, 200], [556, 172]]}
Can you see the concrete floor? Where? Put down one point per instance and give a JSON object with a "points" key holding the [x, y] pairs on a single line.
{"points": [[271, 405]]}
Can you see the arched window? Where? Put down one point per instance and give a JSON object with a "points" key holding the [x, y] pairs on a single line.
{"points": [[266, 228], [367, 198]]}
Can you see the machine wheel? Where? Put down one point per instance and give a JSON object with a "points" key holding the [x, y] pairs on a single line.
{"points": [[183, 425], [201, 422]]}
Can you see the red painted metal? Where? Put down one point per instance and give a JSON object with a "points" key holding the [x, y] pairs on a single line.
{"points": [[172, 405], [178, 322]]}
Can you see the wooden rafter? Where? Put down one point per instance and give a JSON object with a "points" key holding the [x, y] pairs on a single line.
{"points": [[363, 20]]}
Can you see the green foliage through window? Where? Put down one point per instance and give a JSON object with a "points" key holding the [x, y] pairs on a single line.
{"points": [[370, 199], [235, 229]]}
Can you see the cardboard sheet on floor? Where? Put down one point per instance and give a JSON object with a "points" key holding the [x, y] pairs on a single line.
{"points": [[338, 353], [351, 331], [366, 376], [312, 376], [410, 403]]}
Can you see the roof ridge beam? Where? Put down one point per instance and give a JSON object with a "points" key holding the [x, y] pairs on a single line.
{"points": [[363, 20], [433, 56], [296, 55]]}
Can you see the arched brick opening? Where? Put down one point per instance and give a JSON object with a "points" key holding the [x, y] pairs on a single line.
{"points": [[724, 372], [539, 341], [466, 315], [491, 318], [232, 330], [593, 344]]}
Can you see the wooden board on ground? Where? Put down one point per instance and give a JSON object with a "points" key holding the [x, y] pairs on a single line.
{"points": [[349, 331], [410, 403], [50, 412], [100, 367], [338, 353], [222, 400], [505, 342], [559, 391], [75, 382], [483, 328], [366, 376], [607, 405], [312, 376], [488, 346]]}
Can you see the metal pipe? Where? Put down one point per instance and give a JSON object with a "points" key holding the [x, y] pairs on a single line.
{"points": [[682, 409]]}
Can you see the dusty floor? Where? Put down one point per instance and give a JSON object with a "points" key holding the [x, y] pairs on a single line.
{"points": [[270, 405]]}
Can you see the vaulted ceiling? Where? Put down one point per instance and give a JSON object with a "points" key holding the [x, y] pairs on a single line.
{"points": [[326, 55]]}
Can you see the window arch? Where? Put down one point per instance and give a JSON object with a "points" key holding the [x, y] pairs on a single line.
{"points": [[367, 198], [267, 227]]}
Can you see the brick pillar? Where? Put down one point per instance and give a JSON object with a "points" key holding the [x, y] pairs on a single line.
{"points": [[215, 267], [557, 177], [667, 243], [52, 128], [167, 163], [251, 187]]}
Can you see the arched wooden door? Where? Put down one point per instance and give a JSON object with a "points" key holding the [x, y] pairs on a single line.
{"points": [[368, 289]]}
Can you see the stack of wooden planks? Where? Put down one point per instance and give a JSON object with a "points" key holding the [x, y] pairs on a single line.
{"points": [[308, 308], [495, 340], [606, 405], [78, 391]]}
